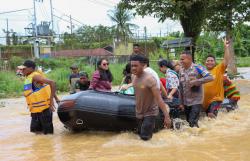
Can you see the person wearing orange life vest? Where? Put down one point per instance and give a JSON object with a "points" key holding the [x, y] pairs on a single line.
{"points": [[39, 93]]}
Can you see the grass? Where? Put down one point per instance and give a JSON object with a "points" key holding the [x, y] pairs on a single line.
{"points": [[243, 62], [10, 85]]}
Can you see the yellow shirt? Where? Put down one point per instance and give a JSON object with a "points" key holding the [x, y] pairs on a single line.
{"points": [[214, 90]]}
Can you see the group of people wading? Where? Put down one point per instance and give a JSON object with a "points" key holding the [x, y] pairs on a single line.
{"points": [[194, 86]]}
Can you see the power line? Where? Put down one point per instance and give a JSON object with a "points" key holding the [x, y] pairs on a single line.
{"points": [[15, 19], [16, 11], [43, 12], [16, 15], [77, 21], [66, 20], [61, 18], [68, 16]]}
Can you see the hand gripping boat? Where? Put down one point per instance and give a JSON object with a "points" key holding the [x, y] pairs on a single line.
{"points": [[106, 111]]}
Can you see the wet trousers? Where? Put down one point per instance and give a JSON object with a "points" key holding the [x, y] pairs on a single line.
{"points": [[146, 127], [192, 114]]}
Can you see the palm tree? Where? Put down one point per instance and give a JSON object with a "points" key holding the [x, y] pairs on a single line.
{"points": [[122, 17]]}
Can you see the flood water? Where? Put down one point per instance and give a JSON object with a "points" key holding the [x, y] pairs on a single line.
{"points": [[225, 139]]}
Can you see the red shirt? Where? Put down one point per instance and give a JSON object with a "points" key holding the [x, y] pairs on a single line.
{"points": [[98, 84]]}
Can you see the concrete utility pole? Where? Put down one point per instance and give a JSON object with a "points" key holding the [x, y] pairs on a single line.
{"points": [[36, 41], [7, 33], [50, 39], [71, 25], [52, 19]]}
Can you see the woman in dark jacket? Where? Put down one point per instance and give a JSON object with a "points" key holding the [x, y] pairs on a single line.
{"points": [[102, 77]]}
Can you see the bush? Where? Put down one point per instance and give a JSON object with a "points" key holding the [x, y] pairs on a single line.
{"points": [[116, 70], [61, 77], [15, 61]]}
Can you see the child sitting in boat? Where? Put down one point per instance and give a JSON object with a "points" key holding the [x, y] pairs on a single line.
{"points": [[127, 79], [83, 83], [130, 90]]}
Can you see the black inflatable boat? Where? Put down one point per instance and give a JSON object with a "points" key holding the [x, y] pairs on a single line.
{"points": [[94, 110]]}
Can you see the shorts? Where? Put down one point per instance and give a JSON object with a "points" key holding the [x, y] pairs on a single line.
{"points": [[42, 122], [146, 127]]}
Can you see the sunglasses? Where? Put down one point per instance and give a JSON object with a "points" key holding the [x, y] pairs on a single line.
{"points": [[104, 64], [83, 78]]}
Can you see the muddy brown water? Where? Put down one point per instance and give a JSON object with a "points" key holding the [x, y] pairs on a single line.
{"points": [[225, 139]]}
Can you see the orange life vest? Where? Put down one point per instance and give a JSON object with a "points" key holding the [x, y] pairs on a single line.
{"points": [[39, 99]]}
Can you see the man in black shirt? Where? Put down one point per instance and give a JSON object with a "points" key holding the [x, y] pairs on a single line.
{"points": [[83, 83]]}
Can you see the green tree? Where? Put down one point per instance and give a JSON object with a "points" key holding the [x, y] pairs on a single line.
{"points": [[85, 34], [224, 15], [209, 43], [191, 13], [88, 37], [98, 33], [122, 17], [241, 34], [69, 40]]}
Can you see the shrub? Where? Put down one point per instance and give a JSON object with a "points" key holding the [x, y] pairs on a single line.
{"points": [[15, 61]]}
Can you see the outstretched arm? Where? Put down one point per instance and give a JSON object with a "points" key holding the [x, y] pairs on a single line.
{"points": [[227, 46]]}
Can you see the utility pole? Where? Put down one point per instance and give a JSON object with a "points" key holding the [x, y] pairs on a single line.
{"points": [[52, 19], [71, 31], [7, 33], [50, 39], [36, 41], [71, 25]]}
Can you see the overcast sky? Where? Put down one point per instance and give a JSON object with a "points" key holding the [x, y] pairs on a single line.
{"points": [[89, 12]]}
